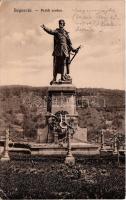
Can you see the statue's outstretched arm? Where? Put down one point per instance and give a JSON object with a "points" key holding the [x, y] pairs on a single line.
{"points": [[50, 31]]}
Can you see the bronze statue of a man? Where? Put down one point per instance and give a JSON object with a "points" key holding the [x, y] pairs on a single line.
{"points": [[62, 49]]}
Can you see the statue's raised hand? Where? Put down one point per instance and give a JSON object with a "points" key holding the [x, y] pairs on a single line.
{"points": [[42, 26]]}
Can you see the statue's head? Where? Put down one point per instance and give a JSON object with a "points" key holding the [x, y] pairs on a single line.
{"points": [[61, 23]]}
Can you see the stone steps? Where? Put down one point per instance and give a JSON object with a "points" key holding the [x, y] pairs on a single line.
{"points": [[61, 149]]}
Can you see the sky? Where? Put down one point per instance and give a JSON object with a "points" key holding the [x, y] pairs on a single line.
{"points": [[26, 50]]}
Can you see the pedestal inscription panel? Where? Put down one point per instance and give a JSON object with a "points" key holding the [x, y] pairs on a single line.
{"points": [[62, 98]]}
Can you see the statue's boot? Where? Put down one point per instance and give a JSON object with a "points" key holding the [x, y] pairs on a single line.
{"points": [[62, 78], [68, 77], [51, 82], [54, 80]]}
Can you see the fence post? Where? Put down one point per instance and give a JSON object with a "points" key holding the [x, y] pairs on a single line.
{"points": [[115, 145], [102, 140], [70, 160], [5, 156]]}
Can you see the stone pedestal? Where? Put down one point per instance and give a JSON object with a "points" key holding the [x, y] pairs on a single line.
{"points": [[62, 104], [61, 98]]}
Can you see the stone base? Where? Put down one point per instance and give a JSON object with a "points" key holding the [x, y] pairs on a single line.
{"points": [[61, 149], [61, 82], [115, 152], [42, 135], [5, 157], [62, 87], [70, 160], [80, 136], [105, 152]]}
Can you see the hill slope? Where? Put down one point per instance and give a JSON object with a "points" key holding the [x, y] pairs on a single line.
{"points": [[24, 108]]}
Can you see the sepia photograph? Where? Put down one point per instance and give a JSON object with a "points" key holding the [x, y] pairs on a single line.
{"points": [[62, 99]]}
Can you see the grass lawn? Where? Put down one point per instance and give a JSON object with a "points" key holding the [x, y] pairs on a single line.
{"points": [[50, 178]]}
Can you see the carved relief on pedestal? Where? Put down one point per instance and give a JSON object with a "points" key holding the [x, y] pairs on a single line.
{"points": [[59, 124]]}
